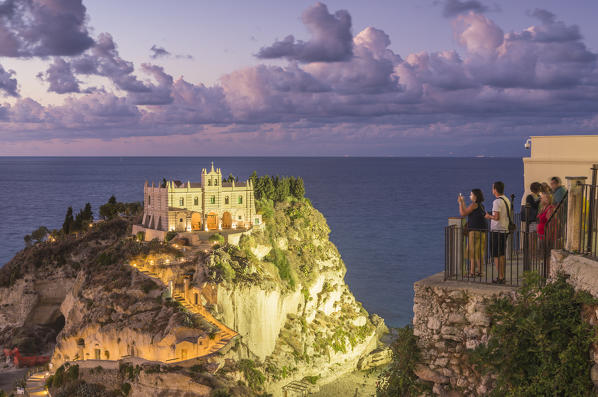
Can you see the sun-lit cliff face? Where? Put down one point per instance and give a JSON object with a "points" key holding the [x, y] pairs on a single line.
{"points": [[282, 289]]}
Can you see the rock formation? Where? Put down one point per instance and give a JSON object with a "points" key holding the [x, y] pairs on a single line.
{"points": [[280, 287]]}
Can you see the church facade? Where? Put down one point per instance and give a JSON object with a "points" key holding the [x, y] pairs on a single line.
{"points": [[199, 206]]}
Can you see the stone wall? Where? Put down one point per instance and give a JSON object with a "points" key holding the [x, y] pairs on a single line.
{"points": [[448, 318]]}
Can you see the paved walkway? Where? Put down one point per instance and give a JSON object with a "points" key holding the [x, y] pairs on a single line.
{"points": [[36, 384]]}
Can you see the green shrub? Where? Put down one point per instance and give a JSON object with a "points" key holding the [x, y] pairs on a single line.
{"points": [[217, 238], [170, 235], [538, 343], [220, 393], [140, 236], [254, 377], [72, 373], [312, 379], [278, 257], [400, 379], [125, 388]]}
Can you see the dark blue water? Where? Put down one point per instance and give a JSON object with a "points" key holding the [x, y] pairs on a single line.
{"points": [[386, 214]]}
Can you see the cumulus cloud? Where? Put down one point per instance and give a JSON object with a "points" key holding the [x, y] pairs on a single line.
{"points": [[43, 28], [452, 8], [8, 83], [158, 94], [331, 39], [158, 52], [60, 77]]}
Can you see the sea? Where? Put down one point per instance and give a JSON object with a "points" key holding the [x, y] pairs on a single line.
{"points": [[386, 215]]}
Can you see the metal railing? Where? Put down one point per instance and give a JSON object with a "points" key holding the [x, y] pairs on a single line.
{"points": [[588, 225], [488, 257]]}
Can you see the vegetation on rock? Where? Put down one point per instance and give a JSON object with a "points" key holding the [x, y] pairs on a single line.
{"points": [[399, 378], [539, 344]]}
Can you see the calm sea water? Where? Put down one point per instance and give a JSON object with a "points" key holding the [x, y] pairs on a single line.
{"points": [[386, 214]]}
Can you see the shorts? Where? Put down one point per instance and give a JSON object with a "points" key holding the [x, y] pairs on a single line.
{"points": [[498, 241]]}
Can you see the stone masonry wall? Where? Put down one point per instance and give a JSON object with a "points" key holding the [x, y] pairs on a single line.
{"points": [[448, 318]]}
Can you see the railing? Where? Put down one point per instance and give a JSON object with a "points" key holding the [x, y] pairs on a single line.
{"points": [[488, 257], [483, 256], [588, 225]]}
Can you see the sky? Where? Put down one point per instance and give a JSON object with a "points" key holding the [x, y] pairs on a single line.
{"points": [[300, 78]]}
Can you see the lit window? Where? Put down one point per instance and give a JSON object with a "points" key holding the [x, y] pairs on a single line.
{"points": [[181, 201], [240, 199], [213, 200], [196, 201], [226, 200]]}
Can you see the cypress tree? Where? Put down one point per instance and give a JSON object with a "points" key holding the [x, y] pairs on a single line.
{"points": [[87, 213], [298, 188], [68, 221]]}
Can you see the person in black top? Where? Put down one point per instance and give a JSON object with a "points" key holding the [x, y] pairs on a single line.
{"points": [[529, 211], [477, 226]]}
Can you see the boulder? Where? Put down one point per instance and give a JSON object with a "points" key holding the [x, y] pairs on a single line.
{"points": [[426, 374]]}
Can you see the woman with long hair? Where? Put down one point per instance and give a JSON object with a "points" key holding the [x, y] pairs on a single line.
{"points": [[477, 227]]}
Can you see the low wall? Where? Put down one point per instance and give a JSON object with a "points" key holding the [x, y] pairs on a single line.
{"points": [[449, 317], [150, 234]]}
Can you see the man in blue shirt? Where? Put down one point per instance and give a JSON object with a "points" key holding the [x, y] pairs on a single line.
{"points": [[558, 191]]}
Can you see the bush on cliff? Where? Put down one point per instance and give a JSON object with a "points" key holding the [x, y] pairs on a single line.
{"points": [[400, 379], [539, 345]]}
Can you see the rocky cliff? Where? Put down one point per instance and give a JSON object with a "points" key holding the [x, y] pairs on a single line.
{"points": [[281, 288]]}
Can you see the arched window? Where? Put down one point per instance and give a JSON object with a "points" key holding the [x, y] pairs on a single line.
{"points": [[196, 201], [215, 182], [181, 201], [213, 200], [226, 200], [240, 199], [209, 182], [149, 200]]}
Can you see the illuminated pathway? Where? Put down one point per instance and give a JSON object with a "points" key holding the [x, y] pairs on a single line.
{"points": [[220, 339], [36, 384]]}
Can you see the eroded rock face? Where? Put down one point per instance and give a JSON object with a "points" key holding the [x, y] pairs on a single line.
{"points": [[310, 326], [449, 317], [32, 305]]}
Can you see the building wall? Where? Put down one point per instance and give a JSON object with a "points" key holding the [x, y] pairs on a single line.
{"points": [[562, 156], [175, 204], [155, 207]]}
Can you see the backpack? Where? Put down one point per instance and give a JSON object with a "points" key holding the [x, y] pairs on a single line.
{"points": [[512, 226]]}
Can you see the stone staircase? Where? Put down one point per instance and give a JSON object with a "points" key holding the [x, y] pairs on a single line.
{"points": [[35, 385], [224, 335]]}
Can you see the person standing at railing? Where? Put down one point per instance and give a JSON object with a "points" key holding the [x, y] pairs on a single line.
{"points": [[477, 227], [558, 191], [529, 211], [546, 237], [499, 229], [547, 208]]}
